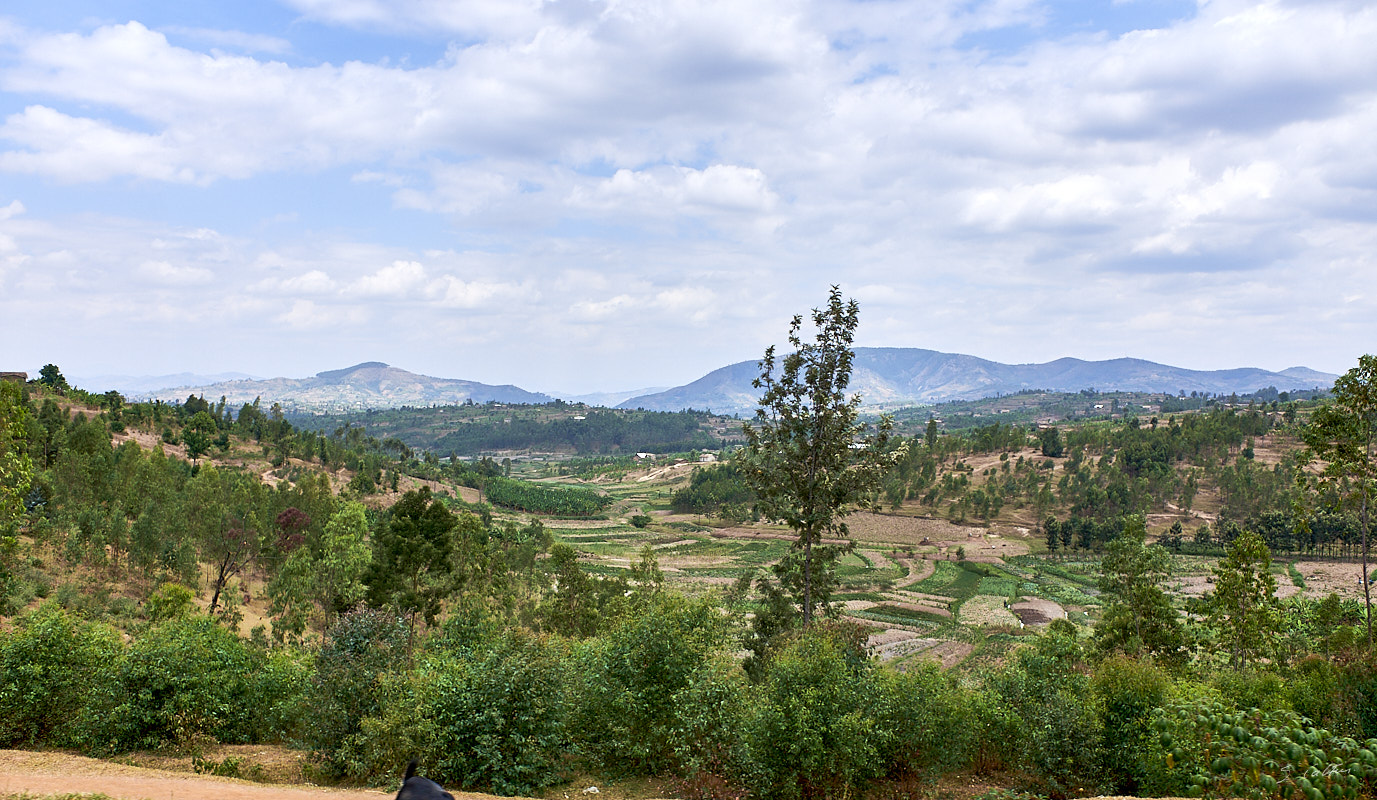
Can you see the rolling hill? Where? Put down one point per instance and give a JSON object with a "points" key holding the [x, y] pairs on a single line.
{"points": [[892, 377], [371, 384], [886, 377]]}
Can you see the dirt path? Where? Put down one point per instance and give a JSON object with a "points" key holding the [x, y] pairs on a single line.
{"points": [[61, 773]]}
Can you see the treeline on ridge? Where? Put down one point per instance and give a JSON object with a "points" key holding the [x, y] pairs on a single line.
{"points": [[558, 427]]}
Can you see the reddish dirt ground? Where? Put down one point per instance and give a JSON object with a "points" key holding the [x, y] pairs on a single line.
{"points": [[61, 773]]}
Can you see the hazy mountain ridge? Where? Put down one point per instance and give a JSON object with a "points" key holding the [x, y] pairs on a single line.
{"points": [[897, 376], [136, 386], [887, 377], [371, 384]]}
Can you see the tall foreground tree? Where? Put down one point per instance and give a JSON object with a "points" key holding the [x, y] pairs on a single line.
{"points": [[807, 458], [1343, 435]]}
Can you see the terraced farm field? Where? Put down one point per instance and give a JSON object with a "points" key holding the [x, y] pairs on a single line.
{"points": [[930, 589]]}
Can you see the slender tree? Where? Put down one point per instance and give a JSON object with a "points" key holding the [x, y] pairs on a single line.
{"points": [[1243, 604], [1343, 436], [807, 458], [1139, 616]]}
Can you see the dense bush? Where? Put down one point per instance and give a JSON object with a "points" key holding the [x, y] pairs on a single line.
{"points": [[53, 670], [1127, 692], [1060, 741], [929, 720], [184, 681], [542, 498], [809, 733], [627, 706], [496, 720], [358, 652]]}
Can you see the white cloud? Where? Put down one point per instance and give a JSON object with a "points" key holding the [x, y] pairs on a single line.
{"points": [[76, 149], [452, 292], [601, 310], [476, 17], [306, 315], [235, 40], [314, 282], [167, 273], [396, 280]]}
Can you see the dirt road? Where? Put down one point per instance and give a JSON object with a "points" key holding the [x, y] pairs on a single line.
{"points": [[61, 773]]}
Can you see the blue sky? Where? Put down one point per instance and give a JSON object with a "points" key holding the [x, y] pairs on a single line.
{"points": [[588, 195]]}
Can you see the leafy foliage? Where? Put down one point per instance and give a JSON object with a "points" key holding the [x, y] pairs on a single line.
{"points": [[571, 501], [806, 458], [1222, 753]]}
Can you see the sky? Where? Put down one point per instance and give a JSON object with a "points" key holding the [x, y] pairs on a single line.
{"points": [[585, 195]]}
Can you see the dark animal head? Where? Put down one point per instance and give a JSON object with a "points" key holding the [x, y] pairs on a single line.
{"points": [[414, 787]]}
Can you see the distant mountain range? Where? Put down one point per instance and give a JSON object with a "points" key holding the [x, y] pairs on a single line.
{"points": [[145, 385], [371, 384], [890, 377], [886, 377]]}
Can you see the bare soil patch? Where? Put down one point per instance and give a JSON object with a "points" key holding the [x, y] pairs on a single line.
{"points": [[935, 609], [906, 531], [948, 654], [1193, 585], [918, 570], [54, 773], [1037, 611], [1322, 577]]}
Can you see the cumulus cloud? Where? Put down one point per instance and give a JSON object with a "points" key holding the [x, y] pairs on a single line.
{"points": [[234, 40], [452, 292], [396, 280], [651, 162], [313, 282], [720, 187]]}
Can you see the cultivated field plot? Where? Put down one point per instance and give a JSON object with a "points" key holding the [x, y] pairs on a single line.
{"points": [[902, 579], [929, 588]]}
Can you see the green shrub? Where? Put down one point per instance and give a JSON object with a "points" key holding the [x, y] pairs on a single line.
{"points": [[625, 714], [361, 648], [497, 720], [1128, 692], [487, 718], [809, 733], [928, 719], [185, 681], [1252, 688], [52, 667], [280, 689], [1061, 732]]}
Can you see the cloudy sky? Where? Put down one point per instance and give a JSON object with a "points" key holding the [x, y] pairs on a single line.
{"points": [[574, 195]]}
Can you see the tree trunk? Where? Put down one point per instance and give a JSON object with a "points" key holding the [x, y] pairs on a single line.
{"points": [[808, 579], [1367, 588]]}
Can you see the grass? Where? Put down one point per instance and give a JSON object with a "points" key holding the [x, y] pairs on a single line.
{"points": [[943, 580], [906, 613], [1295, 575], [899, 619]]}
